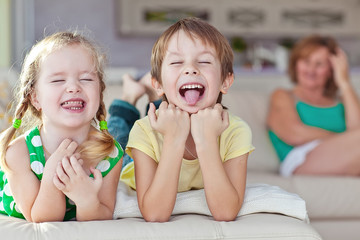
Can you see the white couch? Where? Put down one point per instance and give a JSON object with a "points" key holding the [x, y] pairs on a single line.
{"points": [[333, 203]]}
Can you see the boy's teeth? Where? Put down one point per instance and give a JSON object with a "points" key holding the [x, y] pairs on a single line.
{"points": [[192, 86]]}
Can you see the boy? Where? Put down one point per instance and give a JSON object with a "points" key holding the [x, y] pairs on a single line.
{"points": [[191, 142]]}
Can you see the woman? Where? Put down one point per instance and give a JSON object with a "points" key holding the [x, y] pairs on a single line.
{"points": [[315, 127]]}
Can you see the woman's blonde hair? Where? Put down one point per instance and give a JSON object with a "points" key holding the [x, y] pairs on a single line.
{"points": [[194, 28], [100, 143], [303, 49]]}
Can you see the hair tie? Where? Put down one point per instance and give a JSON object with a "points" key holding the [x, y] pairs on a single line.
{"points": [[16, 123], [103, 125]]}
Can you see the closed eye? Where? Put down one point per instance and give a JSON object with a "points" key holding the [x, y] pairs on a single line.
{"points": [[57, 81], [174, 63], [205, 62], [87, 79]]}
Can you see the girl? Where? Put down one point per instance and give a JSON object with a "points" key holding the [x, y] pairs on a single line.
{"points": [[45, 172], [190, 142]]}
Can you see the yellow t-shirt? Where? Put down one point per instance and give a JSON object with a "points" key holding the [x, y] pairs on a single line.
{"points": [[235, 141]]}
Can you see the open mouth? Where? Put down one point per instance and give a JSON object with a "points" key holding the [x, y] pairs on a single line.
{"points": [[192, 93], [73, 105]]}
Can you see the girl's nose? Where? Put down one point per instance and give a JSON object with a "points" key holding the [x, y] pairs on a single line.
{"points": [[73, 87]]}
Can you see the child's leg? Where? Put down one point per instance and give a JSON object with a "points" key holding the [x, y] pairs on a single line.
{"points": [[123, 112], [337, 155]]}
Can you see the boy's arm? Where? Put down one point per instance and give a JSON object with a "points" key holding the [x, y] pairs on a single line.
{"points": [[157, 183], [224, 183]]}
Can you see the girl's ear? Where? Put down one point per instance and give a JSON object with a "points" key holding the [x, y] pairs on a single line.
{"points": [[34, 100], [227, 83], [157, 86]]}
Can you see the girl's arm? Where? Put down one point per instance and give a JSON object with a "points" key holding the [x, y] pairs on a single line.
{"points": [[284, 120], [349, 97], [94, 198], [157, 184], [38, 201]]}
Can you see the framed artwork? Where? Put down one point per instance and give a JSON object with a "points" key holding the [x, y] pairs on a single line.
{"points": [[239, 17]]}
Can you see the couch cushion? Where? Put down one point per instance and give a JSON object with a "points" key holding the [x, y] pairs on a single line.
{"points": [[252, 107], [253, 226], [325, 197]]}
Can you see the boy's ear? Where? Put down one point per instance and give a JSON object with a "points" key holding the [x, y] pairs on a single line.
{"points": [[227, 83], [157, 86]]}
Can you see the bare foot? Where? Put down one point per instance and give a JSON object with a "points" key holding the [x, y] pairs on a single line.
{"points": [[131, 90], [150, 91]]}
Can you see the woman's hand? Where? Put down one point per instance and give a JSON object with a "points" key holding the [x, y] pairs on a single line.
{"points": [[170, 121], [340, 67], [209, 123]]}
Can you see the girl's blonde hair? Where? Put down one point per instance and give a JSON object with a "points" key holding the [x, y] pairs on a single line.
{"points": [[304, 48], [194, 28], [100, 143]]}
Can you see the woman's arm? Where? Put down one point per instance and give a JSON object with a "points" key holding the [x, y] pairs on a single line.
{"points": [[284, 120], [350, 99]]}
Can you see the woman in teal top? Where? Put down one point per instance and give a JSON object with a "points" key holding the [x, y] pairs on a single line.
{"points": [[314, 130]]}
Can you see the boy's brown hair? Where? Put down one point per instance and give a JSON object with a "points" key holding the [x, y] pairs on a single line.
{"points": [[194, 28], [304, 48]]}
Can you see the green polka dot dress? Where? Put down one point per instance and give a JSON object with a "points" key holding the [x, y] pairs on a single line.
{"points": [[37, 163]]}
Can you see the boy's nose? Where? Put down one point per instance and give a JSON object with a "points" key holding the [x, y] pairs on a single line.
{"points": [[190, 70]]}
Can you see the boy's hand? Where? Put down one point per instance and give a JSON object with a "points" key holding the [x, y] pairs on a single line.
{"points": [[170, 121], [209, 123], [73, 181]]}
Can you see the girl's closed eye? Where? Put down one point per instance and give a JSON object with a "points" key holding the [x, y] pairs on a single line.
{"points": [[57, 81], [87, 79], [175, 62]]}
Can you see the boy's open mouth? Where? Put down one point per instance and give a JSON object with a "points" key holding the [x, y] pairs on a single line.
{"points": [[192, 93], [73, 105]]}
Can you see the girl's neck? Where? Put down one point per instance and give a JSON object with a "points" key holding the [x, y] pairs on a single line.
{"points": [[52, 136]]}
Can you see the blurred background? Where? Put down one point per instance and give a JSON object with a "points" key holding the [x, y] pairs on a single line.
{"points": [[261, 32]]}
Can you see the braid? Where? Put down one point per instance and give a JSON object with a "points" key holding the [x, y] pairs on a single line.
{"points": [[100, 143], [9, 133]]}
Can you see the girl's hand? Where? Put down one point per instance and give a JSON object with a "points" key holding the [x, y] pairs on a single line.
{"points": [[209, 123], [73, 181], [170, 121], [66, 148], [340, 67]]}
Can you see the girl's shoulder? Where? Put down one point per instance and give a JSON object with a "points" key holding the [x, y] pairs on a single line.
{"points": [[17, 154]]}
